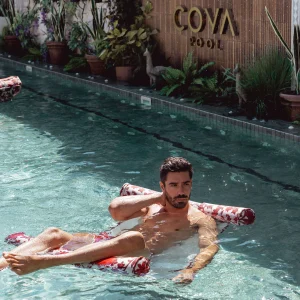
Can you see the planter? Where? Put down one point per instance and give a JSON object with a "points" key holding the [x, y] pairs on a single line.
{"points": [[58, 53], [291, 106], [124, 73], [13, 45], [97, 66]]}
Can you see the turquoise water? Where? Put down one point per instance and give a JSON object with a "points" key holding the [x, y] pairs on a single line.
{"points": [[67, 149]]}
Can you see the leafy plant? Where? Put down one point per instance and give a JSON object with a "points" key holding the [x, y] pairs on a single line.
{"points": [[124, 11], [8, 11], [96, 31], [293, 54], [23, 23], [98, 23], [34, 54], [126, 46], [190, 81], [78, 38], [75, 63], [100, 45], [264, 79], [56, 23]]}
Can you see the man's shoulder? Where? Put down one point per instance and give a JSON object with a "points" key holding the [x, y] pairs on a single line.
{"points": [[198, 217]]}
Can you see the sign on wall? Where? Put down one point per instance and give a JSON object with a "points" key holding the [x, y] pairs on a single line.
{"points": [[220, 21]]}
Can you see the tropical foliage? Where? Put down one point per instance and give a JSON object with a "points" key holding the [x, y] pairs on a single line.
{"points": [[34, 54], [262, 81], [190, 80], [78, 38], [124, 11], [96, 31], [54, 16], [126, 46], [24, 24], [76, 62]]}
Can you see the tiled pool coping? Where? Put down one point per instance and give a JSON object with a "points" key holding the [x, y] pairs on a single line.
{"points": [[275, 129]]}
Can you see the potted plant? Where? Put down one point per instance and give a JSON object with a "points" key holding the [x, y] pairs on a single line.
{"points": [[12, 44], [55, 24], [290, 100], [127, 45], [97, 33], [23, 24]]}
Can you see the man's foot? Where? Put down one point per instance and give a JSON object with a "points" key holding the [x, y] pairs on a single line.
{"points": [[22, 265], [3, 264]]}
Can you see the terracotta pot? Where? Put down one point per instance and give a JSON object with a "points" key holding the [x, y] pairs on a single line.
{"points": [[124, 73], [58, 53], [13, 45], [291, 106], [97, 66]]}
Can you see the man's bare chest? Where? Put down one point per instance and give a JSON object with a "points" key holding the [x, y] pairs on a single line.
{"points": [[163, 223]]}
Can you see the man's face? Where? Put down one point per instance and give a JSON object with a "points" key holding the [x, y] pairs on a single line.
{"points": [[177, 188]]}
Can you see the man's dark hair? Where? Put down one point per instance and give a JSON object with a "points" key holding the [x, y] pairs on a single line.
{"points": [[175, 164]]}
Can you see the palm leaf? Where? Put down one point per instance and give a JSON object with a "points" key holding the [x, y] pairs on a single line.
{"points": [[212, 82], [172, 89], [188, 63], [205, 67], [173, 76], [164, 90]]}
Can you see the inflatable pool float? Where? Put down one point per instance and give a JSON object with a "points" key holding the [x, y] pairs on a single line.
{"points": [[224, 215], [9, 88]]}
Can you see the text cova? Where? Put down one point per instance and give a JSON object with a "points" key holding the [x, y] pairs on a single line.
{"points": [[220, 17]]}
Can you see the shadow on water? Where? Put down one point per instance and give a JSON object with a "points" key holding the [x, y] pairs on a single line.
{"points": [[229, 169]]}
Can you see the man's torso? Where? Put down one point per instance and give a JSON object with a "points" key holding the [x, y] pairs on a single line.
{"points": [[162, 230]]}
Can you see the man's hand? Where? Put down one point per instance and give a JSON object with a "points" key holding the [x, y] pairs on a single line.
{"points": [[185, 277]]}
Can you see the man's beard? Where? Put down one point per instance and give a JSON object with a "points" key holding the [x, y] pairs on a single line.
{"points": [[175, 204]]}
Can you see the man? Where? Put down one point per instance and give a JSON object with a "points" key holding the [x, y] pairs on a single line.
{"points": [[167, 218]]}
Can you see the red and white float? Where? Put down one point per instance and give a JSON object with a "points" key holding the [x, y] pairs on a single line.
{"points": [[9, 88], [224, 215]]}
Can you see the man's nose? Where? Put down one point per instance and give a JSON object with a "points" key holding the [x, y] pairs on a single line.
{"points": [[181, 189]]}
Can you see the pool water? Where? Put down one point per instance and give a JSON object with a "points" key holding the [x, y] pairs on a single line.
{"points": [[66, 151]]}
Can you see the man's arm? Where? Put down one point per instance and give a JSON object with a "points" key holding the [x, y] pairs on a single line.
{"points": [[128, 207], [208, 248]]}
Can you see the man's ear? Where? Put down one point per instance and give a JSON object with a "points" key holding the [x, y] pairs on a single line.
{"points": [[162, 186]]}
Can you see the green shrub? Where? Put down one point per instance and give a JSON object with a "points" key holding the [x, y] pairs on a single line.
{"points": [[75, 63], [34, 54], [190, 81], [263, 80]]}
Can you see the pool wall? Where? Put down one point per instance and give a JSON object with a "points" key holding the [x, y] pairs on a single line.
{"points": [[192, 111]]}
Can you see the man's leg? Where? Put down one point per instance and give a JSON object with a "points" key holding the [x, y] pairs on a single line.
{"points": [[121, 245], [49, 239]]}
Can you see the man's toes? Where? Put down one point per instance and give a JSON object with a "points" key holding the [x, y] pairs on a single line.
{"points": [[11, 259], [8, 255], [15, 265]]}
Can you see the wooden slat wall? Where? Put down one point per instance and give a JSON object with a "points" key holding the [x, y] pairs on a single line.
{"points": [[255, 32]]}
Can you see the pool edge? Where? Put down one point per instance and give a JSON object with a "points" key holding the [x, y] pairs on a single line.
{"points": [[183, 109]]}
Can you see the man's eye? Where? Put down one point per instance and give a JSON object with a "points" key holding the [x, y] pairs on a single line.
{"points": [[187, 183]]}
